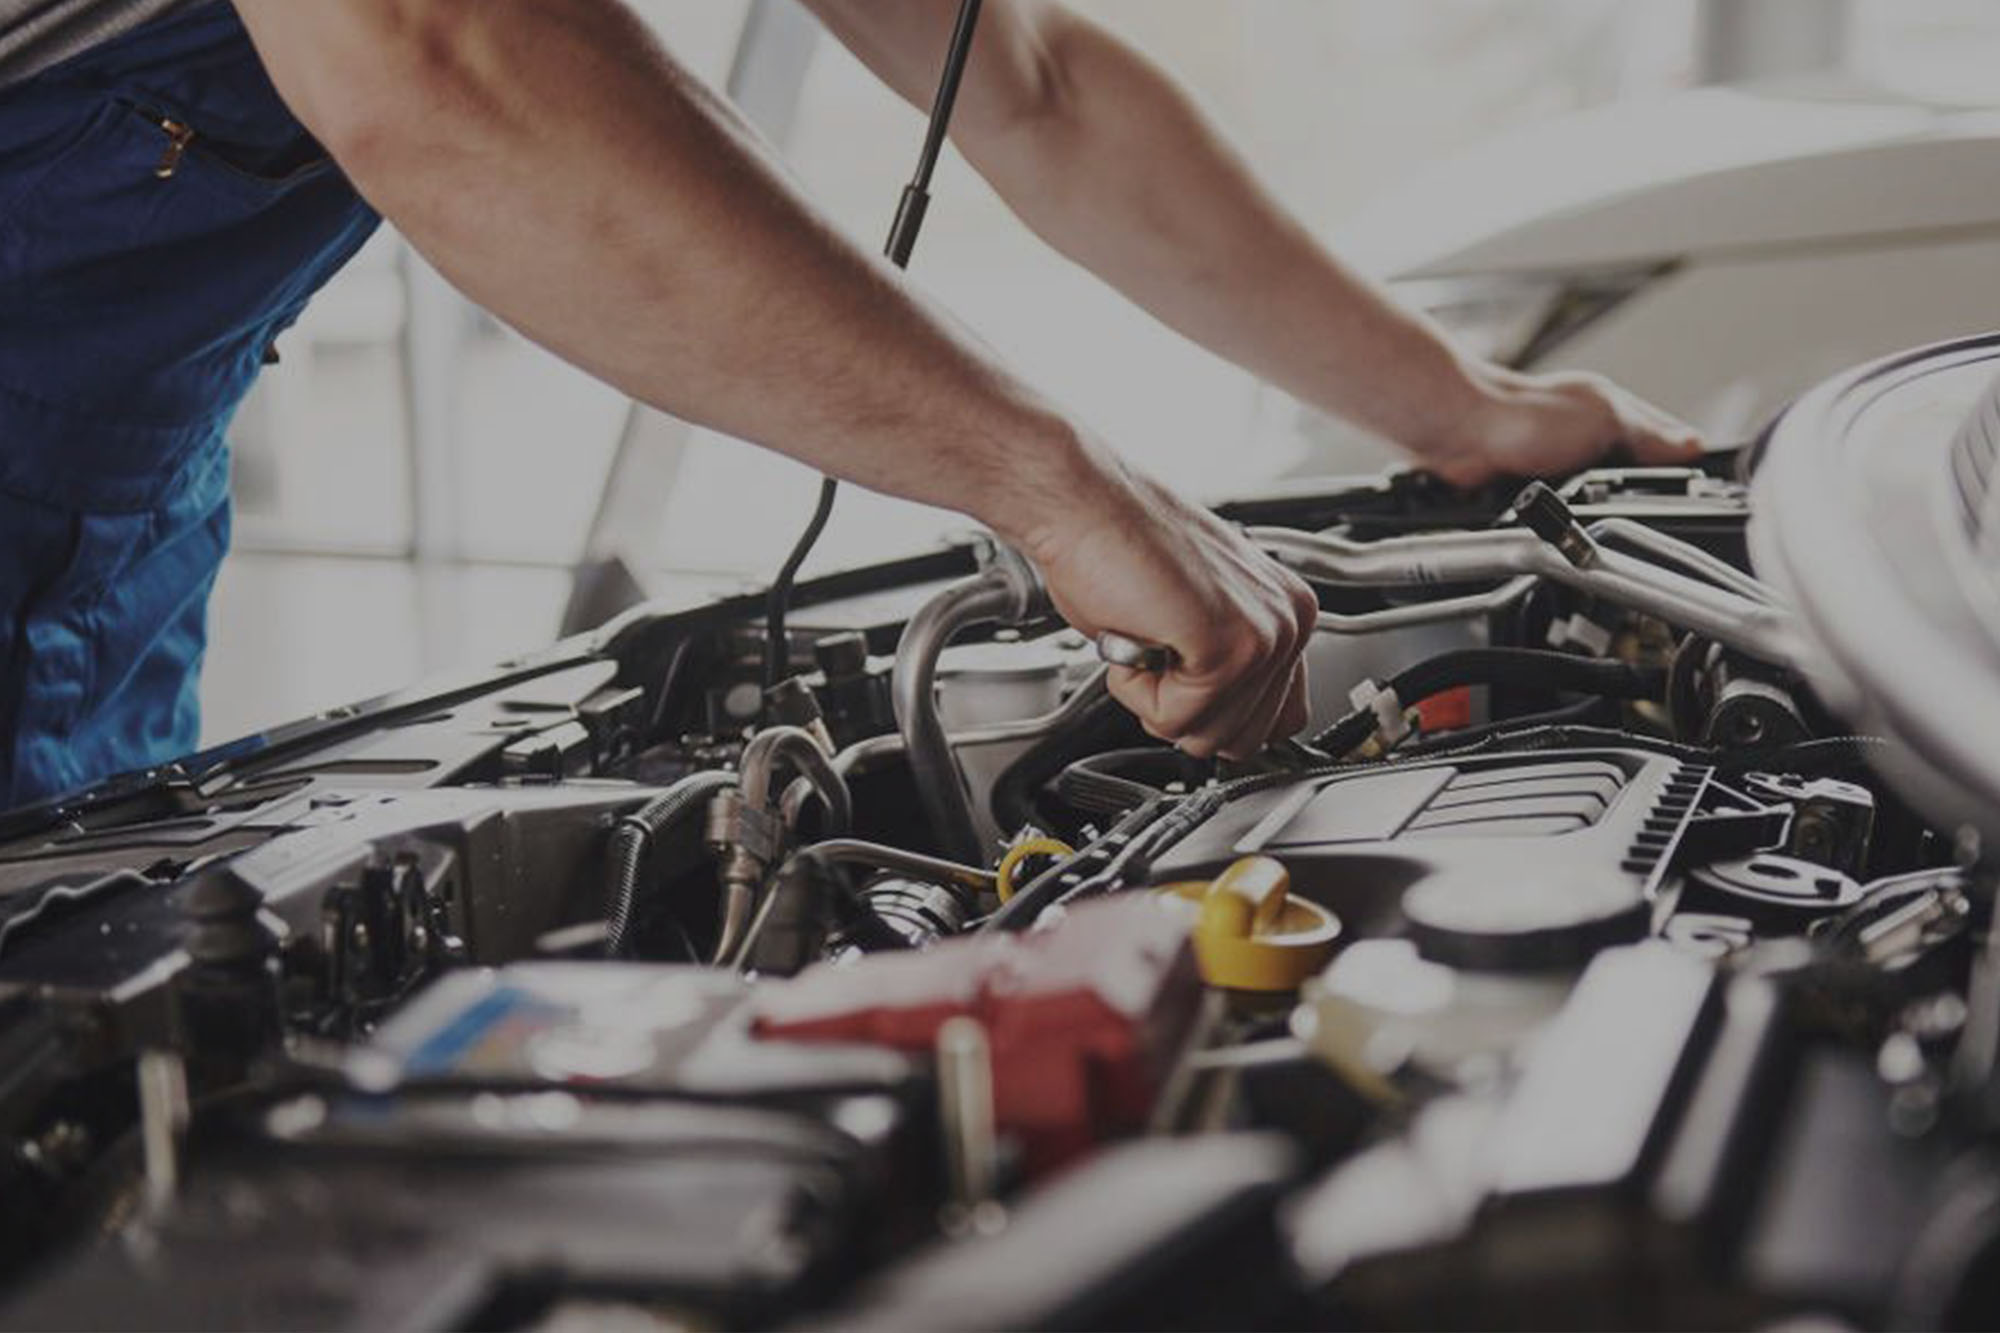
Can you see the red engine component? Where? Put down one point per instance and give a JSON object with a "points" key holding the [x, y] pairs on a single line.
{"points": [[1083, 1020]]}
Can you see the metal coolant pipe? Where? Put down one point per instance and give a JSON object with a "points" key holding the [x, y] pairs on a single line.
{"points": [[774, 746]]}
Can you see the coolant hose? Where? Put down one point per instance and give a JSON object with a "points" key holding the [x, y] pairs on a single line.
{"points": [[1103, 724], [1006, 592], [634, 834], [1117, 781]]}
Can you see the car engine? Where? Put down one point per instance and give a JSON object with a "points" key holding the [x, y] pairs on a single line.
{"points": [[1615, 950]]}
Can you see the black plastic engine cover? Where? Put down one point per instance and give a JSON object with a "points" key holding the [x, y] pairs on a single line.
{"points": [[1492, 862]]}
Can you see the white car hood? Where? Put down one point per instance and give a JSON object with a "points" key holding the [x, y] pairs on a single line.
{"points": [[1713, 170]]}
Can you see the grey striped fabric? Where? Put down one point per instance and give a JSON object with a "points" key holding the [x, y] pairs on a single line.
{"points": [[35, 34]]}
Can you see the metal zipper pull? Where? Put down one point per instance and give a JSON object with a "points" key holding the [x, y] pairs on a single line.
{"points": [[179, 136]]}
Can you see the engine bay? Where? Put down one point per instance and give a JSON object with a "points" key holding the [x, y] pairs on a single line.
{"points": [[1580, 966]]}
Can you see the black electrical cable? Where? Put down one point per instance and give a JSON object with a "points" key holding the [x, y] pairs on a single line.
{"points": [[633, 836], [1527, 668], [909, 220], [1583, 712], [777, 602]]}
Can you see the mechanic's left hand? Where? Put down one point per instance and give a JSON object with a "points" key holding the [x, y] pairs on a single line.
{"points": [[1547, 425]]}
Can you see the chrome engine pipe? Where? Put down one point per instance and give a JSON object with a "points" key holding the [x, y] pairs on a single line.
{"points": [[1691, 558], [1759, 628], [1346, 623]]}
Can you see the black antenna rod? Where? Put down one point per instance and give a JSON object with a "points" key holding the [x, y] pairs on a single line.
{"points": [[917, 194], [909, 221]]}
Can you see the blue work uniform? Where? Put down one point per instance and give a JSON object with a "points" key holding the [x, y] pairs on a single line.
{"points": [[162, 218]]}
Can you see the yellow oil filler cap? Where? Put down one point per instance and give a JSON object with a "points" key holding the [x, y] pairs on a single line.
{"points": [[1252, 934]]}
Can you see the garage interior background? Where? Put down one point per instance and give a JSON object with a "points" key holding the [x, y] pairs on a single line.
{"points": [[415, 484]]}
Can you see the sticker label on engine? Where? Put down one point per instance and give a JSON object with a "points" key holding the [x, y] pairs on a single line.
{"points": [[488, 1037]]}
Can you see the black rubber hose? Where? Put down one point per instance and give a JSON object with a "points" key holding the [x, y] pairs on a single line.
{"points": [[855, 921], [1526, 668], [631, 838], [1120, 780], [1104, 725]]}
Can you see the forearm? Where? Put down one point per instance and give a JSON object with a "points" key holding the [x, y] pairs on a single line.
{"points": [[557, 166], [1120, 171]]}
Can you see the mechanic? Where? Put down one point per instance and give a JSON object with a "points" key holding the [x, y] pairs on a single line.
{"points": [[167, 208]]}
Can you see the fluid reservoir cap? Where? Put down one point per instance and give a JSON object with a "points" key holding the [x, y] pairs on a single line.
{"points": [[1518, 922], [1380, 1007], [1251, 934]]}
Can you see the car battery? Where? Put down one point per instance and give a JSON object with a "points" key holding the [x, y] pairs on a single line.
{"points": [[1083, 1020], [639, 1032], [614, 1030]]}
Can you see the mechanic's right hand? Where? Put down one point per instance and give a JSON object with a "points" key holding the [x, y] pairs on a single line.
{"points": [[1131, 556]]}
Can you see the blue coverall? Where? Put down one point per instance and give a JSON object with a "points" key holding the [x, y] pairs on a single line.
{"points": [[162, 218]]}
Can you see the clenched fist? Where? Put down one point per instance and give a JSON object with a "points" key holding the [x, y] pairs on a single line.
{"points": [[1127, 554]]}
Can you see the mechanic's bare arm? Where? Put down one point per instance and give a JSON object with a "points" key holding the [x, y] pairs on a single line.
{"points": [[551, 160], [1105, 157]]}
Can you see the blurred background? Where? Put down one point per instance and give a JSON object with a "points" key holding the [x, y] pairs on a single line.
{"points": [[417, 486]]}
